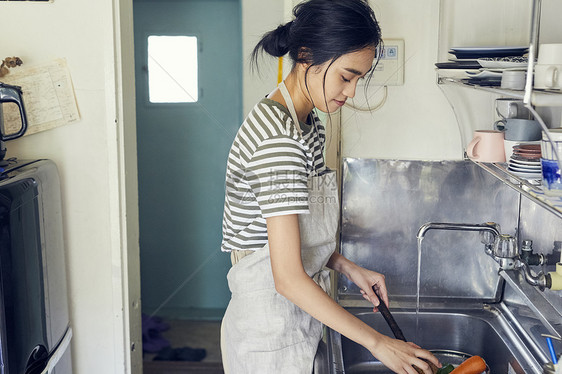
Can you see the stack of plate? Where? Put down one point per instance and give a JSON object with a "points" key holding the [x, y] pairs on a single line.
{"points": [[525, 161], [496, 51], [500, 57], [477, 57]]}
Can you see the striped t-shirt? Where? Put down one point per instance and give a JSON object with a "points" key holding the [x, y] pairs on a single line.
{"points": [[267, 171]]}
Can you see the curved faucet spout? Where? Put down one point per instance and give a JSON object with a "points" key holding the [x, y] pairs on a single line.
{"points": [[490, 227]]}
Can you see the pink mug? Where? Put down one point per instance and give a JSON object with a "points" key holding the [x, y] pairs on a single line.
{"points": [[487, 146]]}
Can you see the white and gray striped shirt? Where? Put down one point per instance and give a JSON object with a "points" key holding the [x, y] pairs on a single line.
{"points": [[267, 171]]}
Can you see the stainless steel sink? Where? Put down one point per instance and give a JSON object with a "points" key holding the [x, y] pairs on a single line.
{"points": [[451, 335]]}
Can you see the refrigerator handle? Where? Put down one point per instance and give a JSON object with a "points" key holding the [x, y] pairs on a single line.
{"points": [[58, 352]]}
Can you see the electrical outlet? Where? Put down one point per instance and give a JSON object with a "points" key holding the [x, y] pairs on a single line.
{"points": [[390, 69]]}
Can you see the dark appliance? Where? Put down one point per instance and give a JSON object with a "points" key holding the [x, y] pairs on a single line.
{"points": [[35, 330], [11, 95]]}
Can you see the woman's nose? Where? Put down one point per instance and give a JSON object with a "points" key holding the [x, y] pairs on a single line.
{"points": [[349, 90]]}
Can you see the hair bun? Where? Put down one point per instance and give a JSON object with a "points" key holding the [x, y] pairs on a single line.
{"points": [[277, 42]]}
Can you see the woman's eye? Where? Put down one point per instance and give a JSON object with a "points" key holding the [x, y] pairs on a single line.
{"points": [[345, 80]]}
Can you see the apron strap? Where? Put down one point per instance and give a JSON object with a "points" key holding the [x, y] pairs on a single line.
{"points": [[290, 106]]}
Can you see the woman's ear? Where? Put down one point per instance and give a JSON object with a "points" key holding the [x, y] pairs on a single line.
{"points": [[305, 56], [302, 67]]}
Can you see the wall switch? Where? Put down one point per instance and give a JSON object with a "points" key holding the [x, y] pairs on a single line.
{"points": [[390, 69]]}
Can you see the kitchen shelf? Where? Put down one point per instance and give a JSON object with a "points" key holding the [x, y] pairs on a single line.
{"points": [[531, 189], [535, 97], [538, 97]]}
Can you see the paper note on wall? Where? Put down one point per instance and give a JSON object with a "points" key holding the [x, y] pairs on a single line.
{"points": [[48, 97]]}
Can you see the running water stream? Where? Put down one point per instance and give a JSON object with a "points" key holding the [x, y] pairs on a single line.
{"points": [[418, 286]]}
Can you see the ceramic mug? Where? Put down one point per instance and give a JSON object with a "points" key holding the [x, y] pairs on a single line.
{"points": [[513, 79], [487, 146], [511, 108], [548, 76], [519, 129], [550, 54]]}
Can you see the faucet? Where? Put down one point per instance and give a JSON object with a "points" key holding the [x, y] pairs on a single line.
{"points": [[491, 227], [501, 247], [489, 231]]}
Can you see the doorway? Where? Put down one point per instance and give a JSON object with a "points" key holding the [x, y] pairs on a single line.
{"points": [[184, 132]]}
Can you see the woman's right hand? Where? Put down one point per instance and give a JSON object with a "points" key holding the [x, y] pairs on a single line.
{"points": [[400, 356]]}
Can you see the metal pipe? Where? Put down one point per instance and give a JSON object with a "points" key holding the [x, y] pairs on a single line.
{"points": [[491, 227], [533, 49], [540, 280]]}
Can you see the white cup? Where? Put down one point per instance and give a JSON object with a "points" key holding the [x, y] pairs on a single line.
{"points": [[550, 54], [548, 76], [513, 79], [511, 108]]}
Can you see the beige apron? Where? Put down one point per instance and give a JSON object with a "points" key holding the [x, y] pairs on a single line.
{"points": [[262, 331]]}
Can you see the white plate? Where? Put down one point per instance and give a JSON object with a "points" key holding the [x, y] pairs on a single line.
{"points": [[498, 70], [525, 162], [463, 60], [535, 165], [524, 167], [484, 74], [526, 175], [512, 167], [503, 65]]}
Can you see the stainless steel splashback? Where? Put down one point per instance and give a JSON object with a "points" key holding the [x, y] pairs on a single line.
{"points": [[386, 201]]}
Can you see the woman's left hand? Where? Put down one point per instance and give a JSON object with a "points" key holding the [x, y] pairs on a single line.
{"points": [[365, 279]]}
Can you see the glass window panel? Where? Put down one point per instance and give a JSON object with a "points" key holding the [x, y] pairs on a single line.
{"points": [[172, 69]]}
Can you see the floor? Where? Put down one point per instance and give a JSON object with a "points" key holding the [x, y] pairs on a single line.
{"points": [[193, 334]]}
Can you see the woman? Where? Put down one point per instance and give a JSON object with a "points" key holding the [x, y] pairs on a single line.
{"points": [[281, 206]]}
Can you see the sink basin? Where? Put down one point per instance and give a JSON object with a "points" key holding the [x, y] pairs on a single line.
{"points": [[452, 336]]}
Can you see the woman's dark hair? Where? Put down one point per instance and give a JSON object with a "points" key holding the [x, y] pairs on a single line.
{"points": [[321, 31]]}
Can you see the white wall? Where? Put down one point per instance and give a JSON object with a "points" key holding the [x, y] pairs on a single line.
{"points": [[416, 122], [258, 17], [91, 156]]}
